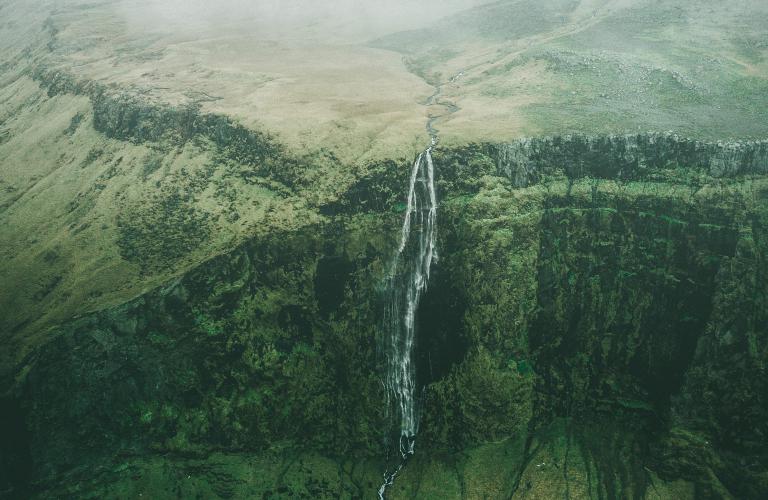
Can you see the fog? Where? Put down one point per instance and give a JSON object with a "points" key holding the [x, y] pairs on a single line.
{"points": [[344, 20]]}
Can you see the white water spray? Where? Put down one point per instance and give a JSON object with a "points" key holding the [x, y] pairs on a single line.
{"points": [[406, 284]]}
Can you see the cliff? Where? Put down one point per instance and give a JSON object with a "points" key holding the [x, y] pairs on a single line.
{"points": [[595, 324]]}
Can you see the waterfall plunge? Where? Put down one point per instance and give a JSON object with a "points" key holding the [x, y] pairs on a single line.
{"points": [[406, 283]]}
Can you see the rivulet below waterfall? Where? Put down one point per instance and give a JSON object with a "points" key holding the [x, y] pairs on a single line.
{"points": [[406, 283]]}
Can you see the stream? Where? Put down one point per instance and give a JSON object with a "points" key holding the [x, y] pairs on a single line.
{"points": [[406, 283]]}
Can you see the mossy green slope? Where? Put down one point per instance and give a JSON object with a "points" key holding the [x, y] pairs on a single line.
{"points": [[598, 332]]}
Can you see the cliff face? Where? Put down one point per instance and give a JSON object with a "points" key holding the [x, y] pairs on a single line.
{"points": [[627, 157], [195, 232], [595, 326]]}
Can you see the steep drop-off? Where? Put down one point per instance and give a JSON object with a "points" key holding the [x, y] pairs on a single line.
{"points": [[595, 328], [196, 234]]}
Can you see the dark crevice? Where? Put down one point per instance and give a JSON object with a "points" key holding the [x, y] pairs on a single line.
{"points": [[529, 451], [441, 340], [565, 461], [16, 467], [333, 274], [680, 286]]}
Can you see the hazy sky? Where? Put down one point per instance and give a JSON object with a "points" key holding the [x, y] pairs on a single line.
{"points": [[343, 19]]}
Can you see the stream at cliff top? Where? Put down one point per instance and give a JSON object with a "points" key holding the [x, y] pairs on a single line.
{"points": [[406, 283]]}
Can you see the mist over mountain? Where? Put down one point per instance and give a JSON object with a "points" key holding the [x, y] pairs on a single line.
{"points": [[454, 249]]}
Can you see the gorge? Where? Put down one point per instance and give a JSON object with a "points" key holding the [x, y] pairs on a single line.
{"points": [[585, 317], [219, 241]]}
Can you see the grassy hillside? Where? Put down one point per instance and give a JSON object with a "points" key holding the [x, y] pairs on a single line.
{"points": [[196, 214], [531, 68]]}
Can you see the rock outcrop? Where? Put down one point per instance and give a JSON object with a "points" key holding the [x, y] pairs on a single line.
{"points": [[596, 323]]}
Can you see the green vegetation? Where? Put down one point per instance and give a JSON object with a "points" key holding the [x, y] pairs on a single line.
{"points": [[578, 303], [193, 300]]}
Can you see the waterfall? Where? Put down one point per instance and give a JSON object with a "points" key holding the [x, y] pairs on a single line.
{"points": [[406, 283]]}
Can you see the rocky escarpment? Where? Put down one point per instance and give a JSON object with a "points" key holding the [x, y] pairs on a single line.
{"points": [[595, 327], [106, 193], [130, 117], [627, 157]]}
